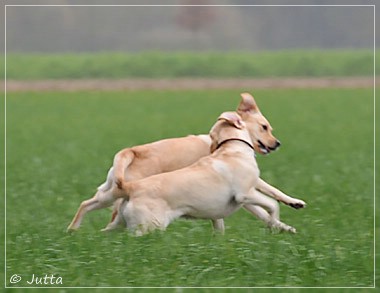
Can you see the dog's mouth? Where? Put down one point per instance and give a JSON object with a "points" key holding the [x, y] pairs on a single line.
{"points": [[263, 149]]}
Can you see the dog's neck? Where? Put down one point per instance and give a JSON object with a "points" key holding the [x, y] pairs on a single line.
{"points": [[234, 139]]}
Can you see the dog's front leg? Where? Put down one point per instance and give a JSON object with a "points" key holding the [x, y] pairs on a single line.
{"points": [[271, 222], [279, 195], [267, 210], [266, 206]]}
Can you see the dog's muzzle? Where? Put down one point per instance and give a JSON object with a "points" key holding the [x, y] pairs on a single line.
{"points": [[267, 149], [278, 143]]}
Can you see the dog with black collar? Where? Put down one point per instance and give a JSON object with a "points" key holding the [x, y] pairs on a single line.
{"points": [[167, 155], [212, 188]]}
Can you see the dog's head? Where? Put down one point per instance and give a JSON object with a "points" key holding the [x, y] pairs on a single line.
{"points": [[259, 129], [229, 125]]}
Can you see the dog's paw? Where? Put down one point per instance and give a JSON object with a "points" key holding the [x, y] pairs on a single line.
{"points": [[288, 229], [298, 204], [71, 230], [280, 227]]}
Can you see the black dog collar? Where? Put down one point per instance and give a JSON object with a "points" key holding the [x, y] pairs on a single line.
{"points": [[237, 139]]}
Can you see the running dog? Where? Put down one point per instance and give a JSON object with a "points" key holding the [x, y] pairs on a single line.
{"points": [[212, 188]]}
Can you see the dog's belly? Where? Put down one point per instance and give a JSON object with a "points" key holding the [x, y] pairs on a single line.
{"points": [[213, 212]]}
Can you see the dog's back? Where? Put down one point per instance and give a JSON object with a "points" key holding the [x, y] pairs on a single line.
{"points": [[159, 157]]}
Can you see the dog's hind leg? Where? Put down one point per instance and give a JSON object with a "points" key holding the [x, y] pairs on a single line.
{"points": [[85, 207], [102, 199], [117, 216], [218, 225], [116, 222], [143, 216]]}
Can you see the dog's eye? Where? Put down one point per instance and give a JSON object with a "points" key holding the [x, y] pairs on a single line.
{"points": [[265, 127]]}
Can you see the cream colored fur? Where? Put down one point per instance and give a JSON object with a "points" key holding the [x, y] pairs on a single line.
{"points": [[212, 188], [171, 154]]}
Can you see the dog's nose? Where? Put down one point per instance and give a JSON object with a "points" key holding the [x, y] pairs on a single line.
{"points": [[275, 146]]}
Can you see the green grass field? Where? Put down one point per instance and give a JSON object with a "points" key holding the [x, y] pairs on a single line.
{"points": [[60, 146], [303, 63]]}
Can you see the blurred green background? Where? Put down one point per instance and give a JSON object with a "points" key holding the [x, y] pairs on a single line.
{"points": [[59, 144]]}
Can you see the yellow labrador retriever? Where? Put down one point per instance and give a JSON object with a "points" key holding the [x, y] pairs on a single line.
{"points": [[172, 154], [212, 188]]}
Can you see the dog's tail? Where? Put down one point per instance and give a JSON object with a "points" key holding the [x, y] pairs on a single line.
{"points": [[116, 173], [108, 184], [120, 163], [122, 189]]}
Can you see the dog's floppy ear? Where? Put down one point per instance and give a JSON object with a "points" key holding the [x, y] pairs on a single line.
{"points": [[232, 118], [214, 143], [247, 104]]}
